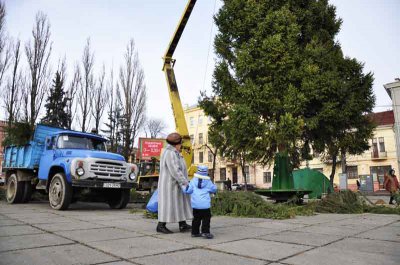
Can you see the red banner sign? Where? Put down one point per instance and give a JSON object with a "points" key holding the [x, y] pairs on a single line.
{"points": [[151, 148]]}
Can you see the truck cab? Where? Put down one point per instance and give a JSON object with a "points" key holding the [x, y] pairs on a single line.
{"points": [[64, 163]]}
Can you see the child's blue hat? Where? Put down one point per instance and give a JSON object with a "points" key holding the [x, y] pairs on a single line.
{"points": [[202, 172]]}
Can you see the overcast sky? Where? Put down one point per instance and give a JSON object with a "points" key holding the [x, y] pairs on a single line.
{"points": [[370, 33]]}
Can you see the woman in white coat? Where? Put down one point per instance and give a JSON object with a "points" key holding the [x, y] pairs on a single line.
{"points": [[173, 205]]}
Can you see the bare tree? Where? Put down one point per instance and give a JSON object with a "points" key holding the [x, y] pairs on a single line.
{"points": [[71, 92], [12, 92], [4, 47], [155, 127], [38, 53], [113, 123], [99, 99], [86, 87], [132, 96]]}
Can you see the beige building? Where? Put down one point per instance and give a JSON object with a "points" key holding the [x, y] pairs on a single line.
{"points": [[374, 162]]}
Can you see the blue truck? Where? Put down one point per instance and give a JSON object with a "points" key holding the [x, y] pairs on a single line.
{"points": [[63, 163]]}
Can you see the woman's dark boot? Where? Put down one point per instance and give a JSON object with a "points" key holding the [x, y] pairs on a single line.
{"points": [[184, 227], [161, 228]]}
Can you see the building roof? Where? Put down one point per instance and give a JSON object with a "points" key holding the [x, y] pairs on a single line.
{"points": [[383, 118]]}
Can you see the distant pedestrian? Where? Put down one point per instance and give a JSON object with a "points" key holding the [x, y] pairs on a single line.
{"points": [[229, 184], [358, 184], [200, 188], [391, 184], [173, 204]]}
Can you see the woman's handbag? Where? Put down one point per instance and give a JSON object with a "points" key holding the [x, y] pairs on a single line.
{"points": [[152, 205]]}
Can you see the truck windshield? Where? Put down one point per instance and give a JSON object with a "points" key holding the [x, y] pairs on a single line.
{"points": [[76, 142]]}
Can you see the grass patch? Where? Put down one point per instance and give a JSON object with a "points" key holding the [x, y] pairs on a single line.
{"points": [[139, 197]]}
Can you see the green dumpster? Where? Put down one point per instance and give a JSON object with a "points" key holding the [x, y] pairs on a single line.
{"points": [[309, 179]]}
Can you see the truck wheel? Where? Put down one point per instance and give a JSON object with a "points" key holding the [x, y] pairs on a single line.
{"points": [[118, 199], [15, 189], [60, 192], [27, 192]]}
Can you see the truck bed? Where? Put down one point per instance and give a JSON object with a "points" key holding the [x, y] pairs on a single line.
{"points": [[28, 156]]}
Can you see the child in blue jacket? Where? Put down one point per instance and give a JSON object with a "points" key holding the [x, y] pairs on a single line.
{"points": [[200, 188]]}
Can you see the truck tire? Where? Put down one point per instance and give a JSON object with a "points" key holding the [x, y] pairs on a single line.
{"points": [[15, 189], [118, 199], [27, 192], [60, 192]]}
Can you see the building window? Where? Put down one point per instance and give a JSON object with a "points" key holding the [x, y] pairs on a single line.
{"points": [[381, 144], [200, 157], [375, 152], [247, 172], [379, 172], [191, 121], [267, 177], [200, 120], [210, 156], [192, 138], [222, 174], [200, 138], [352, 172]]}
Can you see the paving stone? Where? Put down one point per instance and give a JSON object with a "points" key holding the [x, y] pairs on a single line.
{"points": [[277, 225], [31, 241], [38, 218], [328, 229], [319, 218], [368, 246], [327, 256], [75, 225], [16, 230], [197, 257], [256, 248], [222, 234], [304, 238], [391, 233], [137, 246], [225, 221], [370, 221], [8, 222], [100, 234], [60, 255], [116, 263], [139, 226]]}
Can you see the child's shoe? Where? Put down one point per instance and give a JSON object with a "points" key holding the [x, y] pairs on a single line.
{"points": [[207, 235]]}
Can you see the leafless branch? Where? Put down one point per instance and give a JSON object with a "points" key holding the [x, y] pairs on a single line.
{"points": [[86, 86], [38, 54], [132, 94], [99, 99]]}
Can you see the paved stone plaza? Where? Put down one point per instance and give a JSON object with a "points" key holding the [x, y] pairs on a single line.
{"points": [[93, 234]]}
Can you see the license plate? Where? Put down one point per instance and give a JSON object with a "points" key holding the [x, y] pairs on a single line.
{"points": [[111, 185]]}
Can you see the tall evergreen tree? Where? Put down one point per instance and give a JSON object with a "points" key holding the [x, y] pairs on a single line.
{"points": [[56, 105], [281, 81]]}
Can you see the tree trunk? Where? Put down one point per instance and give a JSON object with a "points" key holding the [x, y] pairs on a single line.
{"points": [[332, 176], [242, 165]]}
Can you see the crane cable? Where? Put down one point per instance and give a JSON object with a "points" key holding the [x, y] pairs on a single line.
{"points": [[209, 47]]}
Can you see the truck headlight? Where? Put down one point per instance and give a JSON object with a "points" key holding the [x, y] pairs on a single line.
{"points": [[80, 171], [132, 176]]}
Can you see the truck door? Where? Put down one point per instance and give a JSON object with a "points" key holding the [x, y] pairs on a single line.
{"points": [[47, 157]]}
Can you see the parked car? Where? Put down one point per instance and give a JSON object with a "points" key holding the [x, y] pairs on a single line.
{"points": [[249, 186], [235, 186], [241, 186]]}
